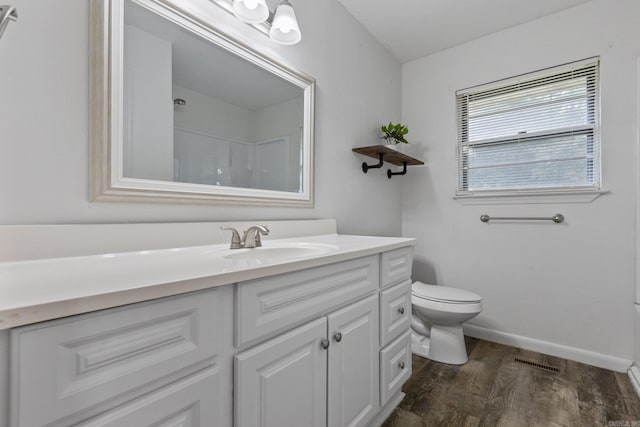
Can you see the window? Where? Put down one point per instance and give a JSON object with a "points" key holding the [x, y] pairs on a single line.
{"points": [[536, 133]]}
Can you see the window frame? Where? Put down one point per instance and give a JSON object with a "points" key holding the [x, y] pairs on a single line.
{"points": [[560, 193]]}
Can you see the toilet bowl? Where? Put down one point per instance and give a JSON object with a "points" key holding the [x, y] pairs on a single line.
{"points": [[438, 313]]}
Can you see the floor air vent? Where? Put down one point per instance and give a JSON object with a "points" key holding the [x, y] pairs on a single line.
{"points": [[547, 368]]}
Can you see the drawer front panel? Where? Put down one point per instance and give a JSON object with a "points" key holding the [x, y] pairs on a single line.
{"points": [[265, 307], [396, 266], [395, 366], [395, 311], [102, 359], [190, 402]]}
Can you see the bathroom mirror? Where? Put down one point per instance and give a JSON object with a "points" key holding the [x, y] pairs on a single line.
{"points": [[180, 112]]}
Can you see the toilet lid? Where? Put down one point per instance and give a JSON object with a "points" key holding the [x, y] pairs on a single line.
{"points": [[444, 293]]}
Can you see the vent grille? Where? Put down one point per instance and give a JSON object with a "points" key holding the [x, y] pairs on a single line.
{"points": [[547, 368]]}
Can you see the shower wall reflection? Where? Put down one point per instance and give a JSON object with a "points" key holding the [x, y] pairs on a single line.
{"points": [[235, 124]]}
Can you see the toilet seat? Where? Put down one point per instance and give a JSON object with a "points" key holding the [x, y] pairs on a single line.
{"points": [[444, 294]]}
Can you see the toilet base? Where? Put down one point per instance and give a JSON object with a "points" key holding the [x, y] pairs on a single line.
{"points": [[419, 344], [447, 345]]}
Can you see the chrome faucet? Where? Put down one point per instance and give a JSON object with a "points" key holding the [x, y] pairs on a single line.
{"points": [[235, 237], [250, 238]]}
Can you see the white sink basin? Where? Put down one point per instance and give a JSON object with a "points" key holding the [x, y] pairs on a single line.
{"points": [[281, 251]]}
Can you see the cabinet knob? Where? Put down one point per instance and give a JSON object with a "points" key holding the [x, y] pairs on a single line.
{"points": [[401, 365], [324, 343], [401, 310], [337, 337]]}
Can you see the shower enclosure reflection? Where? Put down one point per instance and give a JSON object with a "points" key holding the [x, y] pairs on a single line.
{"points": [[196, 113]]}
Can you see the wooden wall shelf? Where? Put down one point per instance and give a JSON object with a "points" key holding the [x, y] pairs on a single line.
{"points": [[386, 153]]}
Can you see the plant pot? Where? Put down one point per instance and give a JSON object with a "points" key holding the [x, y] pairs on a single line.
{"points": [[397, 147]]}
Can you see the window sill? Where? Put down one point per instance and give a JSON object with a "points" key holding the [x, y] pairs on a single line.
{"points": [[530, 198]]}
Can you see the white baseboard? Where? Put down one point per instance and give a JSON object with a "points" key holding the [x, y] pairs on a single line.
{"points": [[634, 376], [545, 347]]}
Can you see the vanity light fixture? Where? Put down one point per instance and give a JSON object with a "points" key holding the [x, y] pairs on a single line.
{"points": [[251, 11], [278, 22], [284, 28]]}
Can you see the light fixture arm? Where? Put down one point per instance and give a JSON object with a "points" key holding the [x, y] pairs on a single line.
{"points": [[7, 13], [272, 13]]}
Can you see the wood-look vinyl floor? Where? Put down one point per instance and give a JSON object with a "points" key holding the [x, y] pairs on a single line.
{"points": [[494, 390]]}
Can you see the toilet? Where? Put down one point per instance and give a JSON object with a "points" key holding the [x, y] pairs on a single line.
{"points": [[438, 313]]}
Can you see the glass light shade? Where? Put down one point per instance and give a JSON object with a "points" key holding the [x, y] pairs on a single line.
{"points": [[251, 11], [284, 29]]}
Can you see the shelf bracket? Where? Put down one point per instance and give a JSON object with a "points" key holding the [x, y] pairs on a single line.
{"points": [[366, 167], [404, 171]]}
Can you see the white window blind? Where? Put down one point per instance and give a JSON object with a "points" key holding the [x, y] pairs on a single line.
{"points": [[534, 133]]}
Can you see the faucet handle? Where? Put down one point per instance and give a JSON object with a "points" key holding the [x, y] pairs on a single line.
{"points": [[261, 229], [235, 237], [251, 236]]}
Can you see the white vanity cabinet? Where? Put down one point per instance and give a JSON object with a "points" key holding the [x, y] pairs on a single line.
{"points": [[325, 346], [326, 372]]}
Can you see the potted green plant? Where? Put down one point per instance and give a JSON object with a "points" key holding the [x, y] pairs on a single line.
{"points": [[394, 133]]}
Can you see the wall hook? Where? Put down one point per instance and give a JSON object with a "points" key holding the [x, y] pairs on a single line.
{"points": [[404, 171], [366, 167]]}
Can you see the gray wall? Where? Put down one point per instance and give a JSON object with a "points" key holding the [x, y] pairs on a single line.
{"points": [[44, 118], [542, 284]]}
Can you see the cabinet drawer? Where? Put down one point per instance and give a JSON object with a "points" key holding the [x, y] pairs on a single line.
{"points": [[395, 311], [395, 366], [190, 402], [74, 368], [396, 266], [268, 306]]}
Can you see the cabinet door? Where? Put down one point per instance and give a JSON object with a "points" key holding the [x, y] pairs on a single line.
{"points": [[353, 364], [283, 382]]}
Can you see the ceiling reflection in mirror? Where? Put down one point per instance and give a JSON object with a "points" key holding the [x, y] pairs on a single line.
{"points": [[193, 112]]}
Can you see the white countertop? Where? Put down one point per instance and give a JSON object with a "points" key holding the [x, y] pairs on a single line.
{"points": [[37, 290]]}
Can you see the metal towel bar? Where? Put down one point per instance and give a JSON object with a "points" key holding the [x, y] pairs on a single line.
{"points": [[557, 218]]}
